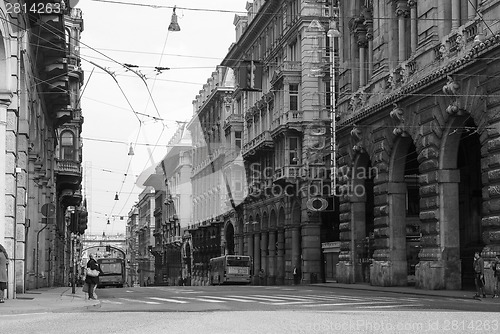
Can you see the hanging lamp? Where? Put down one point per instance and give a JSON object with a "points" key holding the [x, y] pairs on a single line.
{"points": [[174, 26]]}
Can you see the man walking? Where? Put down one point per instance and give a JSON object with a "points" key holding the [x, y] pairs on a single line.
{"points": [[478, 265], [496, 274]]}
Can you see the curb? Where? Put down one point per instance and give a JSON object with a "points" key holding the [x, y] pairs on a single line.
{"points": [[409, 292]]}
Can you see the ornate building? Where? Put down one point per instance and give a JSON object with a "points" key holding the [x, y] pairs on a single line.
{"points": [[283, 94], [209, 184], [418, 137], [40, 151]]}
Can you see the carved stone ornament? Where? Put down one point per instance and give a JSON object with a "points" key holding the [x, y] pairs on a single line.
{"points": [[357, 135], [452, 90], [398, 115]]}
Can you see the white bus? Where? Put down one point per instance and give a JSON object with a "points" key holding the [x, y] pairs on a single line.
{"points": [[230, 269]]}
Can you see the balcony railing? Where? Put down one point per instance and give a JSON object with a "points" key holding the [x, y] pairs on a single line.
{"points": [[263, 139], [283, 117], [286, 68], [69, 167]]}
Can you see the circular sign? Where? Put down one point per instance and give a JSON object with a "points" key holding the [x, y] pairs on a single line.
{"points": [[317, 204], [48, 210]]}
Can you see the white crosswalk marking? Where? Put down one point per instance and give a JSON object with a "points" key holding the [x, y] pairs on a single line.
{"points": [[140, 301], [110, 301], [231, 299], [169, 300], [391, 306], [284, 297], [257, 298], [204, 299], [342, 304]]}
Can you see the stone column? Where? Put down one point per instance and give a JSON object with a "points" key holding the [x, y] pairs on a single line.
{"points": [[4, 103], [394, 271], [264, 255], [280, 258], [402, 13], [311, 250], [272, 258], [362, 43], [296, 254], [455, 14], [250, 248], [449, 231], [358, 221], [241, 244], [256, 260], [413, 25]]}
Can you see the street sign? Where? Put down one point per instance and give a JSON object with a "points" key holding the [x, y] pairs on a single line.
{"points": [[48, 210]]}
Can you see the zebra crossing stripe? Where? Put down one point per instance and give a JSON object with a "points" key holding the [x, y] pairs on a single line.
{"points": [[110, 301], [390, 306], [281, 297], [169, 300], [258, 298], [140, 301], [230, 299], [204, 300], [343, 304]]}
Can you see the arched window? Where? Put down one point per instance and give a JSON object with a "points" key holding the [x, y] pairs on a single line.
{"points": [[67, 145]]}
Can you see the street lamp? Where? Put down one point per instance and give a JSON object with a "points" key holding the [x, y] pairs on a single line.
{"points": [[333, 33]]}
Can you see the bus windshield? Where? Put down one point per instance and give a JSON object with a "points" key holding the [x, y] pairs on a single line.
{"points": [[238, 263], [111, 268]]}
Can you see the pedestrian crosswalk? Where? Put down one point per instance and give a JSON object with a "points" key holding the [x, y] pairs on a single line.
{"points": [[304, 299]]}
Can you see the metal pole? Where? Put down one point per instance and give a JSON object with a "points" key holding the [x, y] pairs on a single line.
{"points": [[73, 264], [333, 143]]}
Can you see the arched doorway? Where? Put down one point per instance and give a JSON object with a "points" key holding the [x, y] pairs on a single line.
{"points": [[461, 228], [404, 211], [362, 217]]}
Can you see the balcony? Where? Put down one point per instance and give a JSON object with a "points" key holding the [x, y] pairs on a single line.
{"points": [[285, 119], [286, 69], [288, 174], [261, 142], [69, 174], [233, 119]]}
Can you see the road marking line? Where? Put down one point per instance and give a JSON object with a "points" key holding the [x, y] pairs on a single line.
{"points": [[140, 301], [231, 299], [204, 300], [129, 291], [283, 297], [390, 306], [338, 297], [169, 300], [287, 303], [342, 304], [110, 301], [259, 298]]}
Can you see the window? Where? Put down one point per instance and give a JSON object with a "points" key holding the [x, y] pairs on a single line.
{"points": [[237, 140], [67, 146], [293, 151], [294, 97]]}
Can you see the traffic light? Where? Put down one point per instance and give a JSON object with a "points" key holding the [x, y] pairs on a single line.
{"points": [[83, 217], [73, 223], [250, 75]]}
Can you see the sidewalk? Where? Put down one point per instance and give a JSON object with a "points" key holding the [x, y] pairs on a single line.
{"points": [[409, 290], [58, 299]]}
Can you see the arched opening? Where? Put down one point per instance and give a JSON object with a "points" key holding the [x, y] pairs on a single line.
{"points": [[229, 239], [362, 205], [461, 230], [469, 201], [67, 146]]}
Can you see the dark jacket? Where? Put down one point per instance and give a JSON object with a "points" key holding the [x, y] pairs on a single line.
{"points": [[92, 264], [496, 268], [479, 265]]}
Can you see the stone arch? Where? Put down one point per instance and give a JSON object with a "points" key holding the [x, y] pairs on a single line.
{"points": [[273, 219], [461, 190]]}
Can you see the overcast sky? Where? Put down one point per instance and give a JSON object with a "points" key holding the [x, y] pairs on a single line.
{"points": [[116, 33]]}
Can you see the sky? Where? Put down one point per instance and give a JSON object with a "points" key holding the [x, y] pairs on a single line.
{"points": [[142, 107]]}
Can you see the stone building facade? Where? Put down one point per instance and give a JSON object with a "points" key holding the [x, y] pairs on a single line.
{"points": [[417, 129], [283, 93], [40, 151]]}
